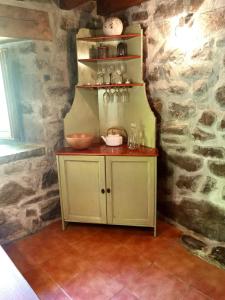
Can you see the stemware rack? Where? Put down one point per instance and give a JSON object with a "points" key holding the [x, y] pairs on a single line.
{"points": [[118, 58], [107, 86]]}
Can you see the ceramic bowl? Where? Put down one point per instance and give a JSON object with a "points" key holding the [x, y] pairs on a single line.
{"points": [[80, 140]]}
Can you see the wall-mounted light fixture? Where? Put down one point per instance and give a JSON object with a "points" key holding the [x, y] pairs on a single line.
{"points": [[186, 20], [186, 33]]}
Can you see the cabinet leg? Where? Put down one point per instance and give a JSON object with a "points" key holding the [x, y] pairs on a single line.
{"points": [[155, 232], [64, 224]]}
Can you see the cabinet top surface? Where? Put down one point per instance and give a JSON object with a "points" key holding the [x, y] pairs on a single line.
{"points": [[104, 150]]}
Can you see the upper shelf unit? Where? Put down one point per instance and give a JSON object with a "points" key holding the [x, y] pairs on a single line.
{"points": [[89, 58], [109, 38]]}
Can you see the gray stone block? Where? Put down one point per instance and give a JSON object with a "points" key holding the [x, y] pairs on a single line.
{"points": [[218, 254], [217, 168], [198, 215], [50, 210], [186, 162], [49, 178], [220, 96], [10, 229], [188, 182], [12, 192], [217, 152], [202, 135], [209, 185], [208, 118], [192, 243]]}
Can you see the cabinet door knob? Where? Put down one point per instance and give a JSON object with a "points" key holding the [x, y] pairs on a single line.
{"points": [[102, 191], [108, 191]]}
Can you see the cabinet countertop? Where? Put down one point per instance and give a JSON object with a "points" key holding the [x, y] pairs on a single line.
{"points": [[104, 150]]}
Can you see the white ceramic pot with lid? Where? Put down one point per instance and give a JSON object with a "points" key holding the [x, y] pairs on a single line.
{"points": [[113, 139]]}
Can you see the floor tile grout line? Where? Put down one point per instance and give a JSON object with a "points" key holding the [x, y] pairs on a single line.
{"points": [[117, 293], [58, 285], [189, 285], [171, 274], [201, 292], [174, 242], [121, 291]]}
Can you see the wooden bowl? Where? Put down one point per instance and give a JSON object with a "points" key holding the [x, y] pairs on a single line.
{"points": [[80, 140]]}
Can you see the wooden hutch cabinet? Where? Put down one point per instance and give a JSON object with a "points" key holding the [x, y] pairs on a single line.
{"points": [[102, 184]]}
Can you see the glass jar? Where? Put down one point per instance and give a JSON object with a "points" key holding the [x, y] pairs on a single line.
{"points": [[103, 51], [133, 137], [122, 49], [93, 52]]}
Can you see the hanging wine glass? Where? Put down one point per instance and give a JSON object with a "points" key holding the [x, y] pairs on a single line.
{"points": [[123, 71], [116, 96], [123, 95], [104, 70], [111, 70], [99, 75], [119, 73], [111, 95], [106, 97], [119, 99], [126, 95]]}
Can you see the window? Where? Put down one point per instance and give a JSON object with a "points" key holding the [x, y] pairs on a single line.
{"points": [[5, 129], [9, 125], [19, 111], [21, 94]]}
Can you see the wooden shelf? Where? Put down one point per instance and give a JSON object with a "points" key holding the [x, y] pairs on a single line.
{"points": [[109, 38], [128, 57], [105, 86], [100, 149]]}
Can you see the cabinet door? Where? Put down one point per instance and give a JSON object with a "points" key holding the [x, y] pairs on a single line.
{"points": [[131, 200], [81, 180]]}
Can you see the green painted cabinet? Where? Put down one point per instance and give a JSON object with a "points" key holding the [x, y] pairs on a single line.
{"points": [[82, 179], [132, 192], [111, 185], [117, 190]]}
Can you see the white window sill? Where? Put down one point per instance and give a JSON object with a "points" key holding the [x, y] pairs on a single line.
{"points": [[17, 151]]}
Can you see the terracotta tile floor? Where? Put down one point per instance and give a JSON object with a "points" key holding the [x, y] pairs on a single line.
{"points": [[119, 263]]}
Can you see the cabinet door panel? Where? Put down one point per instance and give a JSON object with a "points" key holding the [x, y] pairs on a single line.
{"points": [[132, 197], [81, 184]]}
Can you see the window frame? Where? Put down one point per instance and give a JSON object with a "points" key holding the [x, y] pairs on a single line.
{"points": [[12, 102], [5, 133]]}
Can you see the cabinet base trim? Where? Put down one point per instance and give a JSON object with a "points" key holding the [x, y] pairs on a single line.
{"points": [[111, 224]]}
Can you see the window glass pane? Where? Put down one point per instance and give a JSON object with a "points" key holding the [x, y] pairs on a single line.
{"points": [[5, 131]]}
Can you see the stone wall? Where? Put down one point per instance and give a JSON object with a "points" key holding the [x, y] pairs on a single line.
{"points": [[184, 73], [29, 196], [184, 66]]}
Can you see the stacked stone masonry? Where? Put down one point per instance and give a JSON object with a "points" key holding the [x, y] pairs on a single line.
{"points": [[185, 79], [29, 195], [185, 83]]}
